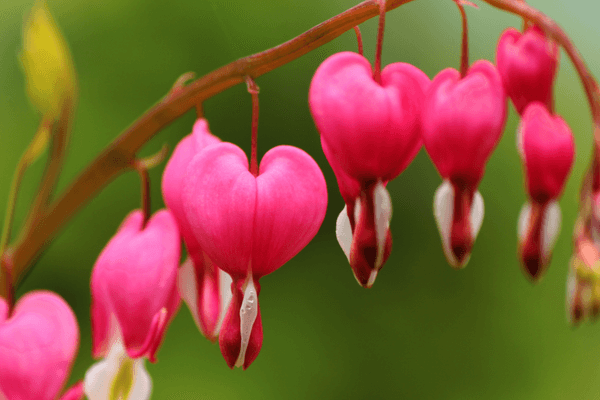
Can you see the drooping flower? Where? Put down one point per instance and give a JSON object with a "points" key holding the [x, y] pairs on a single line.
{"points": [[200, 280], [38, 344], [527, 64], [134, 296], [252, 225], [548, 150], [370, 132], [463, 120]]}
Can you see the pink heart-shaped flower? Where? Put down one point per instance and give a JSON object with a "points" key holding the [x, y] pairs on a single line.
{"points": [[527, 63], [246, 223], [463, 120], [134, 285], [38, 345], [372, 130], [548, 149]]}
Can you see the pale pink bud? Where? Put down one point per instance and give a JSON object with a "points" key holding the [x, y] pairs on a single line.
{"points": [[134, 286], [38, 344], [527, 63]]}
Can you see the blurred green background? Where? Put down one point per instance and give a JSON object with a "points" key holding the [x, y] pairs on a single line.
{"points": [[424, 331]]}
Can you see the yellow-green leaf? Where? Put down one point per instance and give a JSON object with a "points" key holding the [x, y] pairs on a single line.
{"points": [[46, 62], [39, 142]]}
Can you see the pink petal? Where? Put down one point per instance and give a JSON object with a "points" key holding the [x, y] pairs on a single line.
{"points": [[174, 177], [290, 207], [134, 279], [75, 392], [220, 201], [463, 120], [372, 130], [244, 222], [38, 344], [527, 63], [549, 152], [203, 290]]}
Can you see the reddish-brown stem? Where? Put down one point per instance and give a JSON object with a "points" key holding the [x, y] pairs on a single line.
{"points": [[377, 69], [464, 56], [359, 39], [7, 278], [253, 90], [144, 190], [199, 110]]}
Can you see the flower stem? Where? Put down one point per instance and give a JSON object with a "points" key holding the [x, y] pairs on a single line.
{"points": [[359, 39], [464, 57], [377, 69], [253, 90]]}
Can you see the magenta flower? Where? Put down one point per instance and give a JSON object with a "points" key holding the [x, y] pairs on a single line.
{"points": [[370, 133], [527, 63], [38, 344], [199, 280], [548, 150], [134, 293], [252, 225], [463, 119]]}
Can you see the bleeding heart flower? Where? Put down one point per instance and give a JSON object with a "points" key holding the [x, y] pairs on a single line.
{"points": [[252, 225], [38, 344], [203, 277], [527, 63], [548, 151], [463, 119], [370, 132], [134, 286]]}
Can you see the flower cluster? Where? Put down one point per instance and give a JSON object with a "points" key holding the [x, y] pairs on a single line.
{"points": [[527, 63], [241, 220]]}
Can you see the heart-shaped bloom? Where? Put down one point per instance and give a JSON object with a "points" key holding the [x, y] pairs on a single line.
{"points": [[547, 149], [252, 225], [370, 132], [134, 285], [134, 297], [463, 120], [199, 282], [38, 344], [527, 64]]}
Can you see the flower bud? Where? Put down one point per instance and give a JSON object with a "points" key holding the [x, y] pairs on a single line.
{"points": [[527, 63]]}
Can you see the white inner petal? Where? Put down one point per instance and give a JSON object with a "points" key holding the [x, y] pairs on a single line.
{"points": [[248, 314], [550, 227], [443, 204], [523, 223], [99, 379], [477, 211], [343, 232], [186, 283], [225, 294], [383, 215]]}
